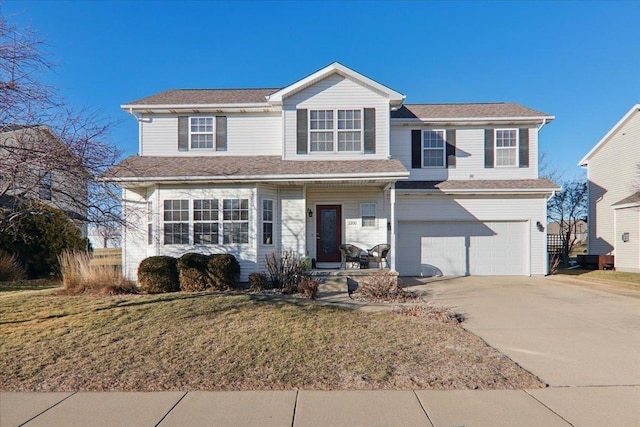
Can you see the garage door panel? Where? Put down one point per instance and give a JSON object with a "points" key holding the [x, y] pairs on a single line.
{"points": [[460, 248]]}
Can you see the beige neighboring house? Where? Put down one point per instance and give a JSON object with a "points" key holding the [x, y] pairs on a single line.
{"points": [[613, 171], [580, 230], [36, 165]]}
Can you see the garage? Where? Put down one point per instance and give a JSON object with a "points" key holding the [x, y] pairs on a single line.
{"points": [[462, 248]]}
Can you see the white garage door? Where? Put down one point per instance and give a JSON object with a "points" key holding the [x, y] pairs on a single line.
{"points": [[461, 248]]}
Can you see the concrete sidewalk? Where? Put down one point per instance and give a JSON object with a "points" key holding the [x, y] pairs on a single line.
{"points": [[581, 406]]}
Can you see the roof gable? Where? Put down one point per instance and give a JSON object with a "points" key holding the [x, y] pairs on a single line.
{"points": [[585, 160], [395, 98]]}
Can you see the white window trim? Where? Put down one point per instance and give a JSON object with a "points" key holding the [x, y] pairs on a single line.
{"points": [[375, 215], [150, 231], [200, 221], [235, 221], [444, 149], [188, 221], [335, 131], [213, 133], [267, 222], [496, 148]]}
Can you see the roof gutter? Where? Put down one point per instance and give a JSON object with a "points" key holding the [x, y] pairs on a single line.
{"points": [[481, 191], [412, 121]]}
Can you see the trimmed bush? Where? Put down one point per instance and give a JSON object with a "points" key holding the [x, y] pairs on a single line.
{"points": [[223, 271], [258, 281], [192, 272], [307, 264], [158, 274]]}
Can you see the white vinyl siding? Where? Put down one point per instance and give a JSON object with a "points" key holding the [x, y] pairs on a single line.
{"points": [[159, 135], [483, 209], [628, 253], [337, 93], [350, 199], [134, 232], [292, 222], [613, 175], [469, 161]]}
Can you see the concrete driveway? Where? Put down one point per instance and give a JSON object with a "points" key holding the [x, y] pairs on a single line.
{"points": [[565, 334]]}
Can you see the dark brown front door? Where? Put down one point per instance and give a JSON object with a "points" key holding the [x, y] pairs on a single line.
{"points": [[329, 232]]}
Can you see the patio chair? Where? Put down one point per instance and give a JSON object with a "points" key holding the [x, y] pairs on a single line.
{"points": [[379, 253], [351, 254]]}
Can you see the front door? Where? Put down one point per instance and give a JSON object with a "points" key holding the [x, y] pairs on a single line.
{"points": [[329, 232]]}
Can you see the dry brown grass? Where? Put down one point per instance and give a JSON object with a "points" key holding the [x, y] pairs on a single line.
{"points": [[80, 276], [211, 341], [383, 286], [10, 268], [608, 277]]}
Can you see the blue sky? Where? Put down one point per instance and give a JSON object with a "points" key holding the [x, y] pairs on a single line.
{"points": [[579, 61]]}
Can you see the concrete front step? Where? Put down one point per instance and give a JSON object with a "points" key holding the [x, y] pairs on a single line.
{"points": [[334, 281]]}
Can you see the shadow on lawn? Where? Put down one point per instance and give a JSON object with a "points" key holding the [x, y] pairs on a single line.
{"points": [[29, 285]]}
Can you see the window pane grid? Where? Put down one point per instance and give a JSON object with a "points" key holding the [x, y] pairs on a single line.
{"points": [[368, 214], [267, 222], [326, 128], [201, 132], [235, 217], [506, 147], [433, 145], [205, 217], [176, 222]]}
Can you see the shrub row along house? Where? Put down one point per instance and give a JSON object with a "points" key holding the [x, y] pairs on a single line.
{"points": [[334, 158]]}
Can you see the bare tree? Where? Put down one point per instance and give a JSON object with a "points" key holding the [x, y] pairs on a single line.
{"points": [[49, 151], [568, 207], [547, 169]]}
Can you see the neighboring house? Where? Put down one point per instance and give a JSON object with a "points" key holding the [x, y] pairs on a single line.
{"points": [[613, 171], [102, 236], [580, 233], [36, 165], [334, 158]]}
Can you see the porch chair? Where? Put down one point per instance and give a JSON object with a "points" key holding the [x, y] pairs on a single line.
{"points": [[379, 253], [351, 254]]}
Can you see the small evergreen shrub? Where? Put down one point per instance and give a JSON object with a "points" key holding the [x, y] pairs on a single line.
{"points": [[308, 287], [10, 268], [158, 274], [223, 271], [307, 264], [258, 281], [37, 234], [192, 272]]}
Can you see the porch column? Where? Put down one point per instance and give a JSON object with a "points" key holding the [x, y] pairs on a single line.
{"points": [[393, 242]]}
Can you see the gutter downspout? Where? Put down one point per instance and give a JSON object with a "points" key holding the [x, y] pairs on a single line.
{"points": [[139, 120]]}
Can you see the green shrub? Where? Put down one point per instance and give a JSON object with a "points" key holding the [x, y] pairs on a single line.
{"points": [[158, 274], [10, 268], [192, 272], [223, 271], [306, 262], [258, 281], [36, 234]]}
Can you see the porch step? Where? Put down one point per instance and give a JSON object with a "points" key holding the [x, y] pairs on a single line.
{"points": [[332, 284]]}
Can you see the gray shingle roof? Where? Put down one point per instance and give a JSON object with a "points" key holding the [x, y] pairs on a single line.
{"points": [[478, 110], [206, 96], [228, 167], [634, 198], [511, 184]]}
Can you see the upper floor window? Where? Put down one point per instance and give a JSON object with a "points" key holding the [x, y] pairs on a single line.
{"points": [[506, 147], [433, 149], [326, 127], [201, 132], [46, 183]]}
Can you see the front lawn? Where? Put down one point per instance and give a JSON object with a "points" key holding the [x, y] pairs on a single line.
{"points": [[623, 279], [212, 341]]}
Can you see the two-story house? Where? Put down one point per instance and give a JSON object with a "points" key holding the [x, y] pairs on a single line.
{"points": [[335, 158], [613, 172]]}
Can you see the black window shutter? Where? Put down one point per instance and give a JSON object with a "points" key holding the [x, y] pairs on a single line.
{"points": [[416, 149], [183, 133], [488, 148], [524, 148], [369, 130], [221, 133], [302, 132], [451, 148]]}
